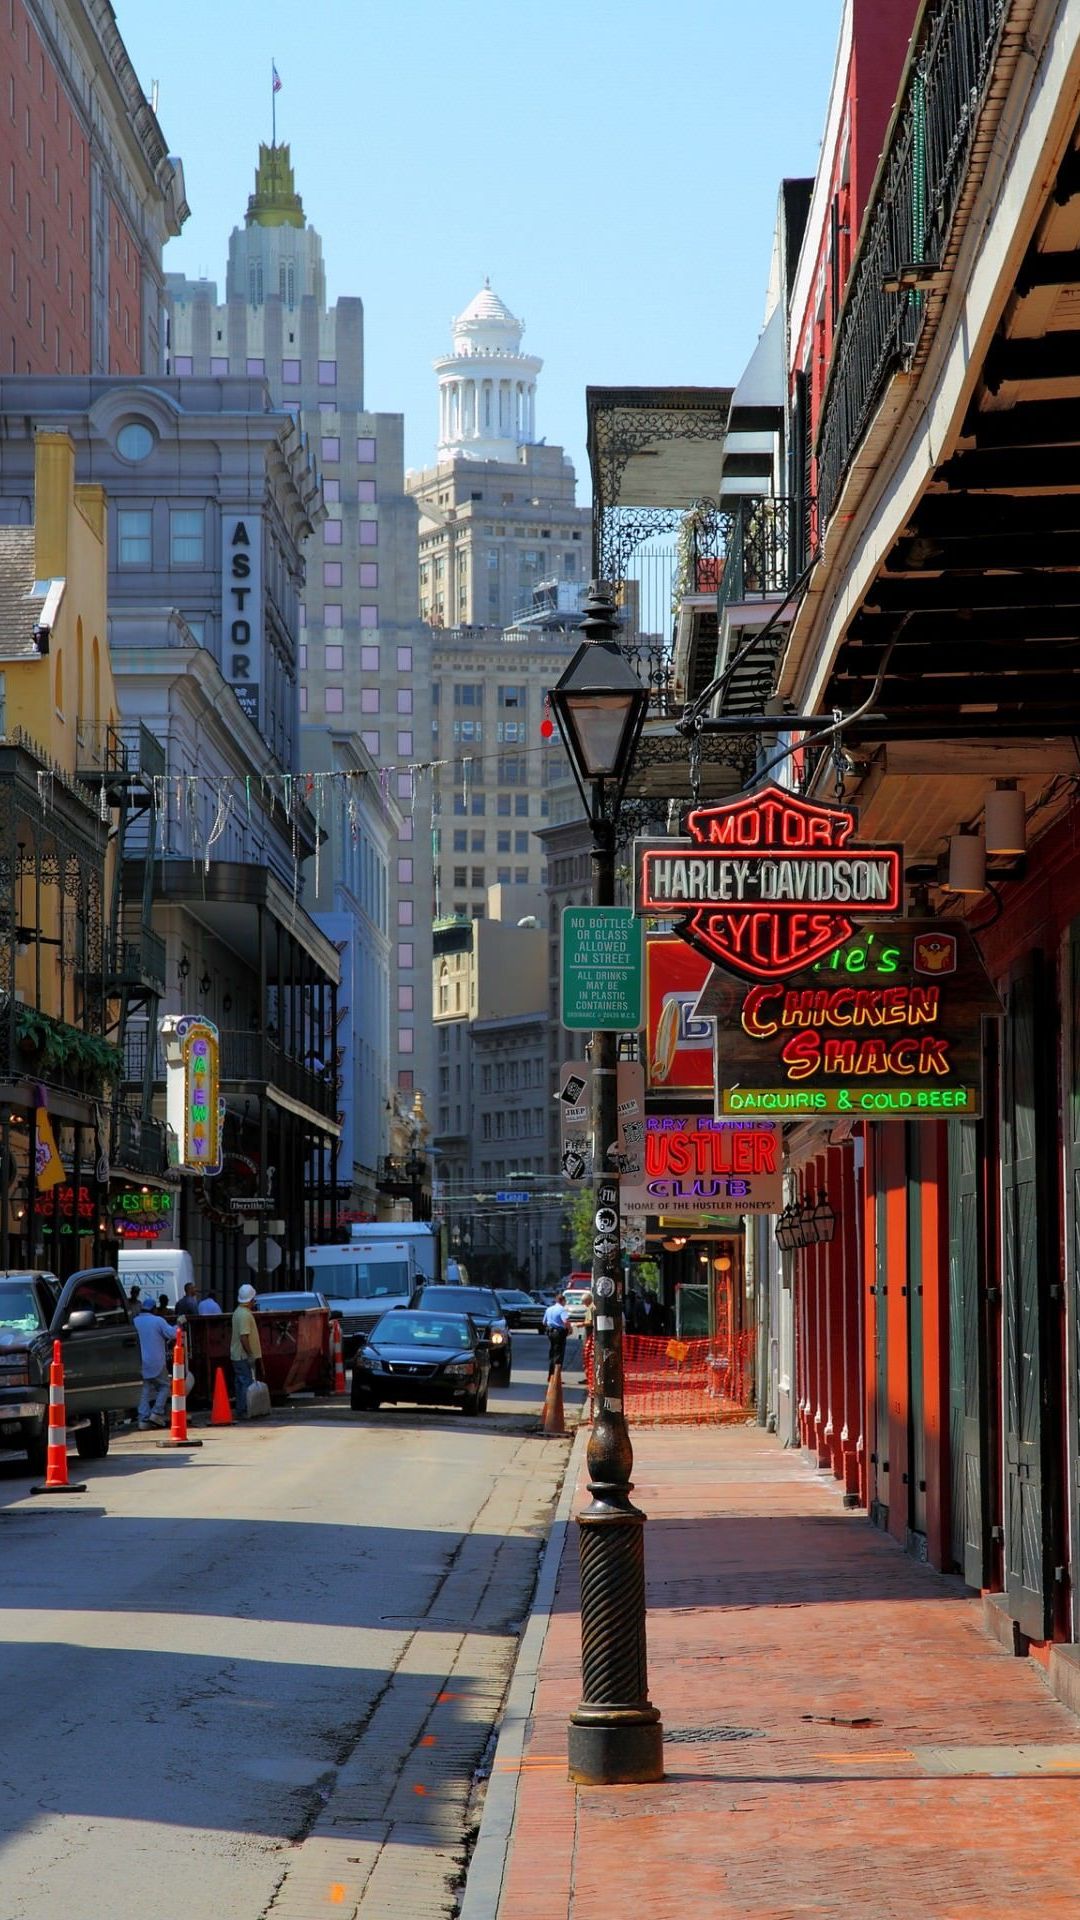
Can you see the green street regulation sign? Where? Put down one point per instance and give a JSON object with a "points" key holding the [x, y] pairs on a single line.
{"points": [[601, 975]]}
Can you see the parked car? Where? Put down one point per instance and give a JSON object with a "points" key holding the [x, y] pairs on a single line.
{"points": [[482, 1306], [102, 1367], [575, 1304], [520, 1309], [435, 1358]]}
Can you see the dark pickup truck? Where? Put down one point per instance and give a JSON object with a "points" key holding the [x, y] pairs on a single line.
{"points": [[102, 1367]]}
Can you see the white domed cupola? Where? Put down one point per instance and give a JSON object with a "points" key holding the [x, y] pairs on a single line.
{"points": [[487, 386]]}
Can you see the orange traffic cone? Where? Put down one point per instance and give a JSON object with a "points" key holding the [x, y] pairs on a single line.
{"points": [[337, 1356], [56, 1472], [552, 1422], [178, 1433], [221, 1414]]}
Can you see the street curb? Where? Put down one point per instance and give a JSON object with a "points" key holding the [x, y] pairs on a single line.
{"points": [[487, 1868]]}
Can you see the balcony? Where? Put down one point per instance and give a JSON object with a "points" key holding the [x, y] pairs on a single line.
{"points": [[139, 957], [248, 1059], [139, 1145], [903, 265], [768, 546], [118, 757]]}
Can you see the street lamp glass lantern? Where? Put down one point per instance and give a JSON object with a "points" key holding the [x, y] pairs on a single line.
{"points": [[600, 705]]}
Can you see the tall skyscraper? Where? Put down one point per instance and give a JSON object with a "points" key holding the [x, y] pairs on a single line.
{"points": [[498, 517], [365, 655]]}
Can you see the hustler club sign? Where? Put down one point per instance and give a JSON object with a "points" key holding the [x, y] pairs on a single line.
{"points": [[769, 883]]}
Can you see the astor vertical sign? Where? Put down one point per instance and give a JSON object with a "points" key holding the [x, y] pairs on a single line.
{"points": [[769, 882], [241, 607]]}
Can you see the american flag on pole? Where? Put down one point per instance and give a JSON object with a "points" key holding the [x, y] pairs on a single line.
{"points": [[277, 79]]}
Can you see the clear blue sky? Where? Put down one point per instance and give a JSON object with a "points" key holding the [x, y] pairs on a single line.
{"points": [[612, 165]]}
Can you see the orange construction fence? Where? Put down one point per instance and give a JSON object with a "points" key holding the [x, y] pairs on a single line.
{"points": [[672, 1381]]}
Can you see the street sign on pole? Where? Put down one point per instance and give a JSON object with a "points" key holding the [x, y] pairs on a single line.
{"points": [[601, 973]]}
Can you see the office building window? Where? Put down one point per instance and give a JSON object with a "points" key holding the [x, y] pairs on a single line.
{"points": [[405, 874], [477, 842], [331, 492], [335, 659], [369, 659], [502, 875], [478, 803], [290, 373], [469, 695], [365, 450], [459, 876], [405, 742], [219, 366], [405, 953], [521, 876], [303, 699], [369, 614], [328, 373], [478, 876], [512, 697], [404, 913], [335, 700], [521, 843], [404, 700], [331, 613], [521, 805], [370, 740], [404, 659], [503, 804], [405, 1039], [369, 573], [133, 536], [182, 364], [502, 842], [256, 368], [369, 699], [365, 492], [330, 447], [369, 533], [331, 533], [331, 573], [461, 841], [405, 994], [301, 654]]}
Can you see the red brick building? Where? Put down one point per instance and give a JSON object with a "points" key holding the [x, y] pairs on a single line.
{"points": [[88, 196]]}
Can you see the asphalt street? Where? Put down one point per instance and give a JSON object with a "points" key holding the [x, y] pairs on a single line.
{"points": [[259, 1677]]}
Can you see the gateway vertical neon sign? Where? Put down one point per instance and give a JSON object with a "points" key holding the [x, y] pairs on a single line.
{"points": [[192, 1075]]}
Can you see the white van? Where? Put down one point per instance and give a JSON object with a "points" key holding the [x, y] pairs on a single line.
{"points": [[360, 1281], [420, 1235], [155, 1270]]}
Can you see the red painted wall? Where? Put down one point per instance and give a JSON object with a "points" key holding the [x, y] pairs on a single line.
{"points": [[125, 300], [44, 210]]}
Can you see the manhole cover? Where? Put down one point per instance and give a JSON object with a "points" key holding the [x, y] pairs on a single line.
{"points": [[708, 1736]]}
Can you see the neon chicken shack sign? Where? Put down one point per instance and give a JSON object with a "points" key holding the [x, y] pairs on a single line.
{"points": [[769, 883]]}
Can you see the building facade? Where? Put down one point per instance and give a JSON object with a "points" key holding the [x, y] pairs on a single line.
{"points": [[494, 767], [497, 510], [195, 474], [89, 194], [364, 656]]}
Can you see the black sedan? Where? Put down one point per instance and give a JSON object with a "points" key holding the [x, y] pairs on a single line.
{"points": [[431, 1359], [521, 1309], [482, 1307]]}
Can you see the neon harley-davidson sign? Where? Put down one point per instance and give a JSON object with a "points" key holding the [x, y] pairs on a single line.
{"points": [[769, 883]]}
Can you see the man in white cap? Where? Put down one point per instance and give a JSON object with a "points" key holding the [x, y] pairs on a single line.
{"points": [[246, 1350]]}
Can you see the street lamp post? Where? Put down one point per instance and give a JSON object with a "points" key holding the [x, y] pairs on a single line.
{"points": [[615, 1733]]}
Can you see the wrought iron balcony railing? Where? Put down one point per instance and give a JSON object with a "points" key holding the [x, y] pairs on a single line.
{"points": [[247, 1056], [768, 546], [907, 225]]}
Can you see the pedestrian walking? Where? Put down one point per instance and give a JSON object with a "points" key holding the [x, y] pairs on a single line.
{"points": [[246, 1349], [155, 1349], [557, 1326], [134, 1300], [188, 1304]]}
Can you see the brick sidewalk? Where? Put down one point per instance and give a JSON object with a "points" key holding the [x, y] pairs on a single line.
{"points": [[842, 1737]]}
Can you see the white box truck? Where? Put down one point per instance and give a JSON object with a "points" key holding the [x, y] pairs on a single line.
{"points": [[362, 1279]]}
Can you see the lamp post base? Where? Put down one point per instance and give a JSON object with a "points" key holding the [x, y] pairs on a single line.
{"points": [[622, 1749]]}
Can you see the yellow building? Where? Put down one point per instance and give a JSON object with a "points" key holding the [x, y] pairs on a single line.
{"points": [[57, 718]]}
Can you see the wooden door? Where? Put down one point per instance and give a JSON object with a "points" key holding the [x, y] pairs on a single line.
{"points": [[967, 1357], [1028, 1269]]}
